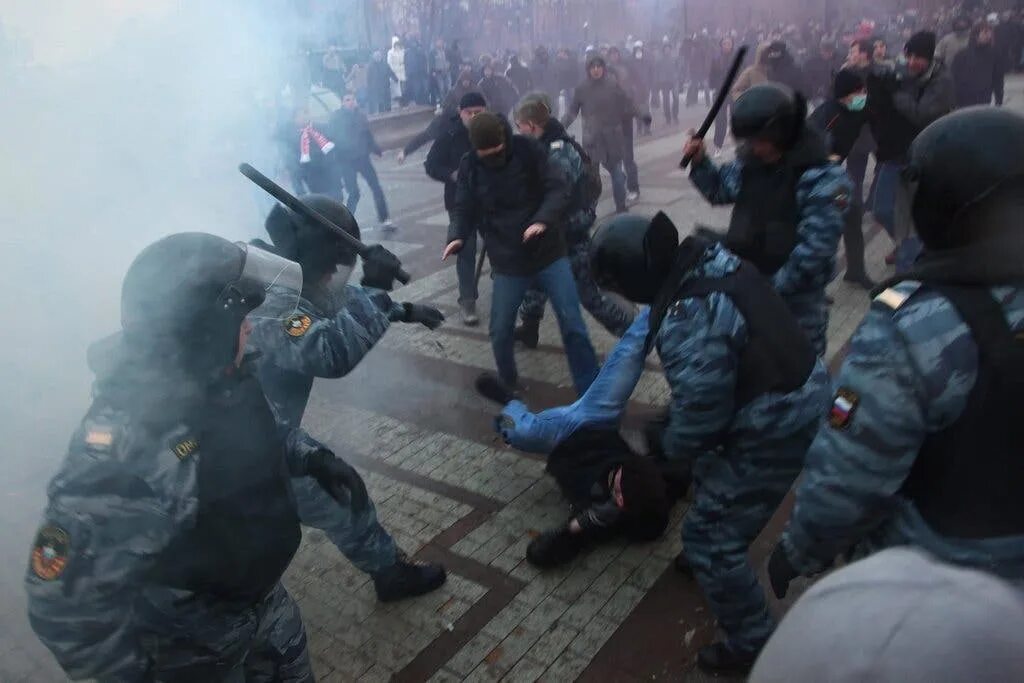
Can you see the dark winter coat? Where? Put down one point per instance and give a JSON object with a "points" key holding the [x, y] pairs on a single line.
{"points": [[568, 72], [605, 105], [353, 139], [840, 126], [445, 155], [978, 75], [900, 107], [379, 77], [519, 76], [502, 202], [499, 92]]}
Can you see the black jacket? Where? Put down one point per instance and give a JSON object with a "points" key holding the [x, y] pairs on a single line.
{"points": [[450, 145], [978, 75], [840, 126], [502, 202], [350, 131], [900, 107]]}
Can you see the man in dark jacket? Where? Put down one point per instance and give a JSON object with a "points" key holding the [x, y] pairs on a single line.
{"points": [[518, 75], [379, 78], [978, 70], [567, 74], [642, 70], [542, 73], [842, 119], [621, 72], [820, 69], [510, 192], [666, 83], [499, 92], [355, 144], [903, 102], [605, 106], [442, 164]]}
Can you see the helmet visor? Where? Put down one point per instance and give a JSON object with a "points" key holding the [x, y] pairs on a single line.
{"points": [[272, 280]]}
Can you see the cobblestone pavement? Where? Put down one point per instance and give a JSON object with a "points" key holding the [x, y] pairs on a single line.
{"points": [[450, 491]]}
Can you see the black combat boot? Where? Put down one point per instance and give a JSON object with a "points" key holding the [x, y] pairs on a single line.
{"points": [[493, 389], [528, 333], [554, 548], [719, 658], [407, 578]]}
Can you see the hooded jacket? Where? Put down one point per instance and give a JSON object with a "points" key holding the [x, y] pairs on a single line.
{"points": [[978, 74], [605, 105], [445, 155], [900, 107]]}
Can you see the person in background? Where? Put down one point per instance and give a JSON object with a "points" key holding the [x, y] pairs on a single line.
{"points": [[440, 72], [379, 77], [821, 69], [334, 70], [666, 83], [355, 144], [642, 71], [978, 70], [357, 83], [396, 60], [308, 154], [518, 75], [843, 119], [952, 43], [499, 92], [417, 72], [720, 65], [880, 56], [622, 73]]}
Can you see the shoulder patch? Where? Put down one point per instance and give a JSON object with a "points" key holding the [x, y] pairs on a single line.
{"points": [[844, 405], [297, 325], [893, 298], [50, 552], [99, 438], [841, 199], [557, 144]]}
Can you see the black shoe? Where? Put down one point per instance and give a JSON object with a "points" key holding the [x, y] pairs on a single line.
{"points": [[554, 548], [829, 300], [407, 579], [719, 658], [493, 389], [528, 333], [862, 281]]}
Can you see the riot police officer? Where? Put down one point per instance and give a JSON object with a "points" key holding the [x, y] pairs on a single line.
{"points": [[332, 328], [171, 521], [747, 391], [790, 200], [922, 443]]}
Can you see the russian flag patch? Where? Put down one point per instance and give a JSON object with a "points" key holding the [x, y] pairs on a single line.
{"points": [[843, 407]]}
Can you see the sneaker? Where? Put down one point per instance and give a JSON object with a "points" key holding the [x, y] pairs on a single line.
{"points": [[719, 658], [388, 226], [469, 317], [632, 196], [528, 333], [407, 579], [493, 389]]}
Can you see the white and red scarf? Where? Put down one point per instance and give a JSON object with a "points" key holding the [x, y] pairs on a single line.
{"points": [[321, 140]]}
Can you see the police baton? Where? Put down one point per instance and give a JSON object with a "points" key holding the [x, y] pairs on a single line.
{"points": [[720, 98], [309, 213]]}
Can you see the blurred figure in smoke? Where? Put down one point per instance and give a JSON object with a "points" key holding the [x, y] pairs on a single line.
{"points": [[379, 77], [719, 68], [955, 41], [355, 144], [667, 72], [308, 154], [821, 69], [440, 72], [499, 92], [519, 75], [332, 328], [396, 60], [642, 71], [172, 521], [978, 70]]}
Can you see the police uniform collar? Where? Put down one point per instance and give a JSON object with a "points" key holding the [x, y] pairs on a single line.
{"points": [[991, 263]]}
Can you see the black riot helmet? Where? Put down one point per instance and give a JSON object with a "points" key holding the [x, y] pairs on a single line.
{"points": [[965, 178], [184, 298], [769, 111], [633, 255], [317, 249]]}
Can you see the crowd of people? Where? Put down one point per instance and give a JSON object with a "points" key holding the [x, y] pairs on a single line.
{"points": [[179, 507]]}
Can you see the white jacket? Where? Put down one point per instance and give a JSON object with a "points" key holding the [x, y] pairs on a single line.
{"points": [[396, 60]]}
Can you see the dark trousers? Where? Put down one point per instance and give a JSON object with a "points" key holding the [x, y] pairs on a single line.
{"points": [[669, 101], [350, 170], [853, 235], [722, 123]]}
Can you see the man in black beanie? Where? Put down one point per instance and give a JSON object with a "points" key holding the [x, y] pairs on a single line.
{"points": [[904, 101], [451, 143], [507, 189]]}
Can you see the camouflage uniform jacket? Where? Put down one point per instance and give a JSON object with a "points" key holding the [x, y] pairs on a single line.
{"points": [[124, 493], [563, 155], [323, 339], [699, 344], [822, 193], [911, 367]]}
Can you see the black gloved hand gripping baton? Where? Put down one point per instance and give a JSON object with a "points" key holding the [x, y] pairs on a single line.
{"points": [[298, 206]]}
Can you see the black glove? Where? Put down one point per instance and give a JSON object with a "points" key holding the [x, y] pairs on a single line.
{"points": [[780, 572], [554, 548], [339, 479], [380, 268], [428, 316], [654, 432]]}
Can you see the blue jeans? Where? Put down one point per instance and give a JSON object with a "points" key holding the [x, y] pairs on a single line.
{"points": [[465, 270], [883, 206], [602, 405], [557, 282], [618, 185]]}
